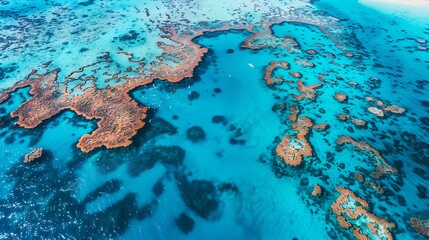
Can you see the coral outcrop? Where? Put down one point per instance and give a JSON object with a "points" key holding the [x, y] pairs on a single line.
{"points": [[421, 225], [381, 108], [308, 92], [341, 97], [383, 167], [317, 191], [353, 213], [293, 148], [269, 72], [33, 155]]}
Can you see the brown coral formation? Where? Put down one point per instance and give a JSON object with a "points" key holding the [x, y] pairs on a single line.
{"points": [[421, 225], [303, 125], [376, 111], [382, 165], [389, 108], [33, 155], [304, 63], [359, 122], [292, 149], [342, 117], [394, 109], [341, 97], [119, 116], [353, 213], [317, 191], [308, 92], [361, 179], [349, 54], [321, 127], [266, 39], [311, 51], [294, 114], [269, 71], [295, 74]]}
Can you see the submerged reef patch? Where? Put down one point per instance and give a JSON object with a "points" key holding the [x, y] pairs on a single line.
{"points": [[383, 167], [353, 213], [421, 225], [293, 148], [33, 155]]}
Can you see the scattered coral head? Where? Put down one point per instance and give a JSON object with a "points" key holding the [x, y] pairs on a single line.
{"points": [[343, 117], [33, 155], [376, 111], [321, 127], [341, 97], [421, 225], [359, 122], [382, 108], [311, 51], [295, 74], [317, 190]]}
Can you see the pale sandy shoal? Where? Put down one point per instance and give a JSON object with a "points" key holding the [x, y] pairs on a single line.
{"points": [[399, 2]]}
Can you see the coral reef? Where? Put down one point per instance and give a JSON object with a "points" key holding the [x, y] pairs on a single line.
{"points": [[308, 92], [196, 134], [292, 149], [358, 122], [295, 74], [353, 212], [394, 109], [349, 54], [342, 117], [384, 108], [198, 195], [321, 127], [294, 114], [185, 223], [120, 117], [33, 155], [269, 71], [376, 111], [361, 179], [382, 165], [341, 97], [421, 225], [311, 51], [304, 63], [266, 39], [317, 191]]}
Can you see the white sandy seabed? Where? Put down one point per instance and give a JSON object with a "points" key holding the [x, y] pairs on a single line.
{"points": [[412, 9]]}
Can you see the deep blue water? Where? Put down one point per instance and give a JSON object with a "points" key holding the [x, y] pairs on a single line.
{"points": [[228, 182]]}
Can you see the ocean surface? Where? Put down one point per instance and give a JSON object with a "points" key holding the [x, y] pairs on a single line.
{"points": [[209, 162]]}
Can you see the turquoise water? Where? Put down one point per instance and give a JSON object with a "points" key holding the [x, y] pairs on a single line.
{"points": [[225, 180]]}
